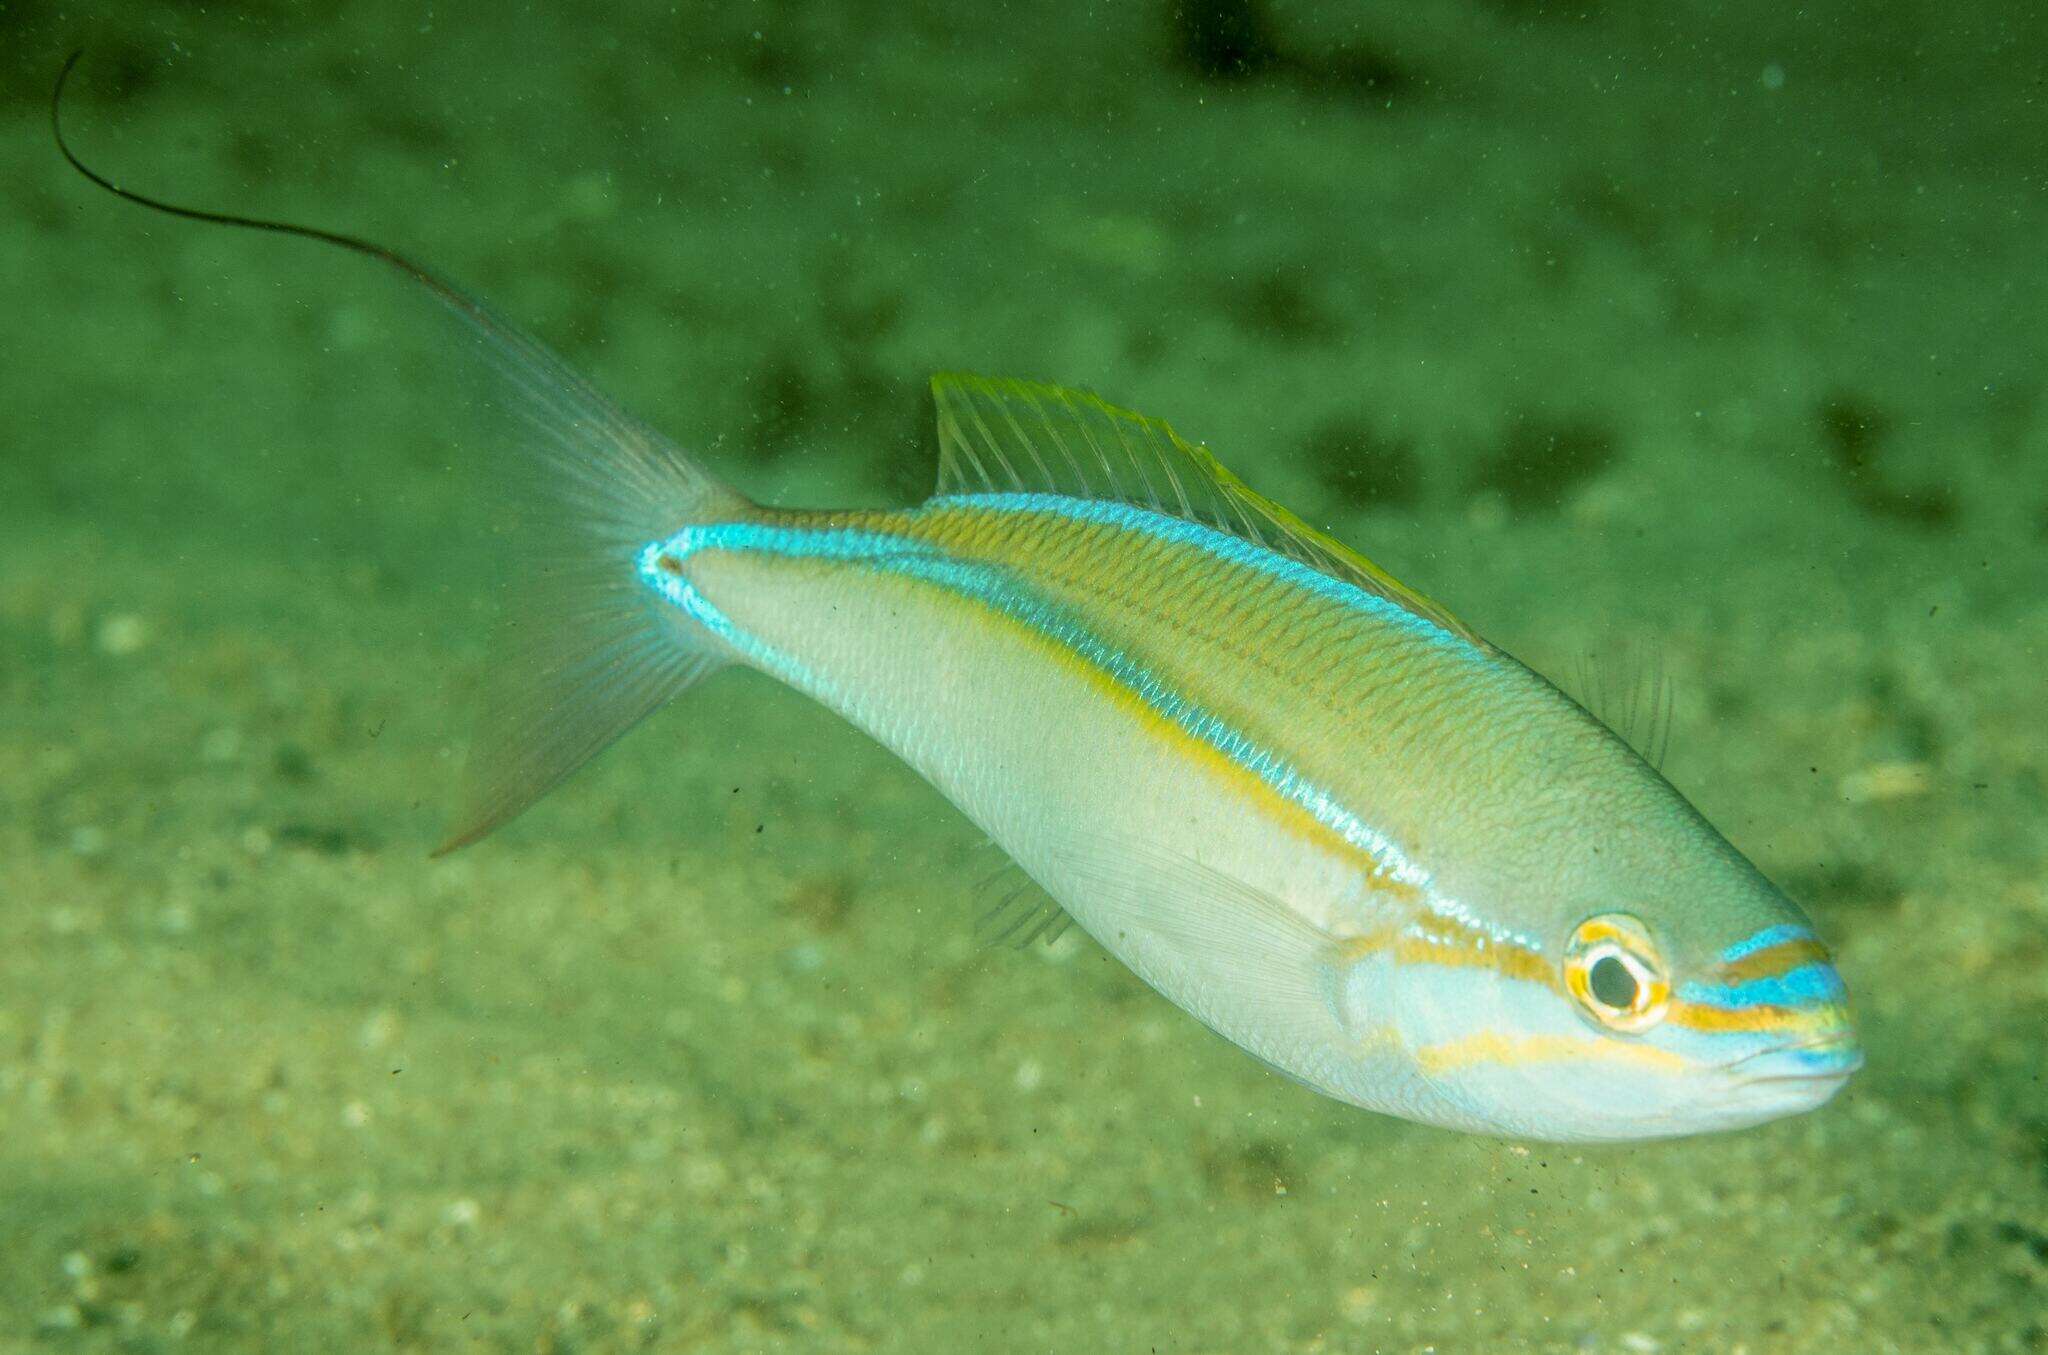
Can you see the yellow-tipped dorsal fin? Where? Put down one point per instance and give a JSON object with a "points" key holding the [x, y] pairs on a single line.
{"points": [[1001, 436]]}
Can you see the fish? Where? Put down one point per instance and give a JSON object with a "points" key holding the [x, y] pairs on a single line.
{"points": [[1302, 801]]}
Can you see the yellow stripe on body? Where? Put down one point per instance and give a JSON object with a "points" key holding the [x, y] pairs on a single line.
{"points": [[1289, 638], [1254, 790], [1295, 645], [1454, 944], [1055, 572], [1070, 565]]}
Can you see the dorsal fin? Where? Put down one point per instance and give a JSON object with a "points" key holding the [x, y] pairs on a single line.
{"points": [[1000, 436], [1626, 688]]}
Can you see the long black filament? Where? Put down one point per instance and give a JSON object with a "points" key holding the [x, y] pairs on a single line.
{"points": [[447, 292]]}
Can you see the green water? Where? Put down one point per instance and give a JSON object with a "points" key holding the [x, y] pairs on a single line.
{"points": [[1707, 330]]}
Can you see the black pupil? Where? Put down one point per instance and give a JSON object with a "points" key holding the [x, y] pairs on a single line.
{"points": [[1612, 983]]}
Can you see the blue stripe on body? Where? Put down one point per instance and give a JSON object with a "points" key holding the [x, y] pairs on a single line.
{"points": [[1214, 542], [698, 608], [1001, 591]]}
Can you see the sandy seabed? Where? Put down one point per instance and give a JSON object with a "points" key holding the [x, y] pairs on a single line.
{"points": [[1715, 333]]}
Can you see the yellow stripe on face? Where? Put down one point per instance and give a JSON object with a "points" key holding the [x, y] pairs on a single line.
{"points": [[1773, 960], [1517, 1051], [1719, 1020]]}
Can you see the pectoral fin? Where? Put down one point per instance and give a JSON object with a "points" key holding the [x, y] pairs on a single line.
{"points": [[1245, 963]]}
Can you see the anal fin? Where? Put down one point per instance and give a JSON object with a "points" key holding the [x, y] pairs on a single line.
{"points": [[1016, 912]]}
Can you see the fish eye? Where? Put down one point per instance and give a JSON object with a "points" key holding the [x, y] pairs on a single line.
{"points": [[1613, 983], [1611, 967]]}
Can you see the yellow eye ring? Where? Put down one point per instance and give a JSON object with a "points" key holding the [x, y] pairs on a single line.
{"points": [[1613, 971]]}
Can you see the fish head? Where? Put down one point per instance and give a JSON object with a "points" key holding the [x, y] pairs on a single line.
{"points": [[1632, 1013]]}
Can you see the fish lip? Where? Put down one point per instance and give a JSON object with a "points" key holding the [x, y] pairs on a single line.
{"points": [[1812, 1066]]}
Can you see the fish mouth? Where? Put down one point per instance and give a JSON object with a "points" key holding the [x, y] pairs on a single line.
{"points": [[1821, 1058]]}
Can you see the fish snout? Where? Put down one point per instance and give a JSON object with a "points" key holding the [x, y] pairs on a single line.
{"points": [[1831, 1055], [1784, 1009]]}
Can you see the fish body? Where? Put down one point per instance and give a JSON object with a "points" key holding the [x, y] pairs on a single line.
{"points": [[1360, 813], [1301, 800]]}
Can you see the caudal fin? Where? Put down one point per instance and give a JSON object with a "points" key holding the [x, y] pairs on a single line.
{"points": [[584, 651]]}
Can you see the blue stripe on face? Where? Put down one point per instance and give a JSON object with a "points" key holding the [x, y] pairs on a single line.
{"points": [[1776, 935], [1001, 591], [1838, 1056], [1810, 985]]}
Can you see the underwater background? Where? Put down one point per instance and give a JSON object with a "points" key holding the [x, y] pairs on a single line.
{"points": [[1711, 332]]}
